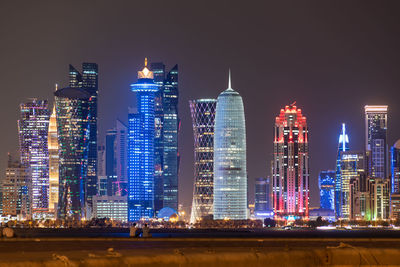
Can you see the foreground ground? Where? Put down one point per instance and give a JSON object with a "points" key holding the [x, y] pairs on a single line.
{"points": [[292, 250]]}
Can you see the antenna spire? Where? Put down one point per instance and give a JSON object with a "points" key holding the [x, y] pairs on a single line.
{"points": [[229, 81]]}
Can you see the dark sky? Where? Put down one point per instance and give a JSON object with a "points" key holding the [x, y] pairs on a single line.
{"points": [[332, 57]]}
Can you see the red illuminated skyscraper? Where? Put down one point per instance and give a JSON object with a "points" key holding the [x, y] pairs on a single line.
{"points": [[290, 170]]}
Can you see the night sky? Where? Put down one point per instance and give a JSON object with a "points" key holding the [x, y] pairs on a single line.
{"points": [[332, 57]]}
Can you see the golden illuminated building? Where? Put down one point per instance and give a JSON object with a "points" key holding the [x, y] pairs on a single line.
{"points": [[53, 161]]}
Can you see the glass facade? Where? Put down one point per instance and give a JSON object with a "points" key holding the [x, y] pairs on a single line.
{"points": [[230, 173], [116, 160], [395, 167], [33, 128], [166, 137], [376, 139], [88, 80], [141, 148], [326, 183], [262, 195], [290, 166], [343, 146], [351, 167], [16, 192], [72, 109], [203, 119]]}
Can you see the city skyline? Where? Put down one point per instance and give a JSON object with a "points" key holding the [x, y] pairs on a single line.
{"points": [[317, 70]]}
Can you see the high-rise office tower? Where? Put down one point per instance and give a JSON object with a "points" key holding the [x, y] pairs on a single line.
{"points": [[376, 140], [101, 160], [17, 191], [262, 196], [343, 146], [203, 120], [158, 70], [230, 173], [379, 189], [116, 160], [395, 167], [53, 162], [141, 148], [33, 128], [166, 137], [88, 80], [352, 166], [121, 149], [359, 203], [72, 109], [290, 169], [111, 161], [326, 183]]}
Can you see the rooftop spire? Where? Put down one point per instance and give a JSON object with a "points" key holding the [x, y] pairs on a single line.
{"points": [[145, 73], [229, 81]]}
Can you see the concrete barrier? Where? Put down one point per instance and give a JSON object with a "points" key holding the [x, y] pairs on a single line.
{"points": [[331, 256]]}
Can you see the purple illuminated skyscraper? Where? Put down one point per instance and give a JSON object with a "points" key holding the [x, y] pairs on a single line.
{"points": [[33, 129]]}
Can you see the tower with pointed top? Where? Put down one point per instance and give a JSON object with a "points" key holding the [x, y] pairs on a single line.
{"points": [[141, 148], [343, 146], [230, 173], [53, 161], [290, 170]]}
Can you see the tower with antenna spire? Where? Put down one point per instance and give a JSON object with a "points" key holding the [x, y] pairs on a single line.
{"points": [[230, 166], [141, 148]]}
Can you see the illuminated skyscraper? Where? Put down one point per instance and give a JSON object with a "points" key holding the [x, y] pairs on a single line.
{"points": [[121, 150], [290, 169], [342, 147], [379, 189], [166, 137], [72, 109], [53, 162], [262, 197], [88, 80], [203, 120], [395, 167], [326, 184], [33, 128], [141, 148], [116, 160], [352, 165], [230, 173], [16, 191], [111, 161], [376, 140]]}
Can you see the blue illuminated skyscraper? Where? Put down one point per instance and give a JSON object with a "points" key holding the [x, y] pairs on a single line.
{"points": [[342, 147], [326, 184], [395, 167], [230, 174], [141, 148]]}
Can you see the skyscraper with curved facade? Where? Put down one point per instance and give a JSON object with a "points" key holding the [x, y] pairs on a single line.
{"points": [[141, 148], [72, 118], [203, 119], [290, 170], [230, 174]]}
